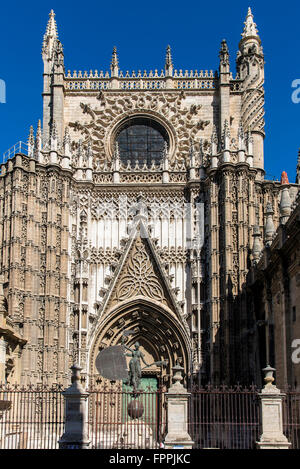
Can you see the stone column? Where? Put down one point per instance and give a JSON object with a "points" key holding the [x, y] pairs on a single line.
{"points": [[75, 435], [272, 422], [177, 401]]}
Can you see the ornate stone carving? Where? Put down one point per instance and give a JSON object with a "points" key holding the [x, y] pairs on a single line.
{"points": [[168, 108], [139, 276]]}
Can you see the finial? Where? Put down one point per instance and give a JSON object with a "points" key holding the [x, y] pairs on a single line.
{"points": [[39, 128], [114, 67], [53, 137], [192, 154], [169, 63], [284, 178], [53, 130], [269, 378], [31, 142], [285, 199], [226, 135], [241, 136], [31, 135], [38, 140], [51, 29], [114, 60], [269, 225], [214, 141], [250, 28], [224, 46], [224, 57], [256, 248], [67, 139], [116, 152]]}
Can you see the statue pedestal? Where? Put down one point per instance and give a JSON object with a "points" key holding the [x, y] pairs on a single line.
{"points": [[177, 401], [75, 435], [271, 408]]}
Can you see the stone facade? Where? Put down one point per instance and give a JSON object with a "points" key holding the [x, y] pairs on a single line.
{"points": [[92, 246], [274, 281]]}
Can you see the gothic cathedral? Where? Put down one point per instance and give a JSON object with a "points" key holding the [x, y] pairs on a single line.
{"points": [[140, 207]]}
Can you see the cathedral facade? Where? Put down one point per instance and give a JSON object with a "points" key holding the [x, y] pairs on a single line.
{"points": [[138, 212]]}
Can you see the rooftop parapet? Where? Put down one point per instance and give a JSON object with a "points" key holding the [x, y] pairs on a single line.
{"points": [[152, 80]]}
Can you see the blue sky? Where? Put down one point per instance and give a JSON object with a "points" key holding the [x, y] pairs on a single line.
{"points": [[141, 31]]}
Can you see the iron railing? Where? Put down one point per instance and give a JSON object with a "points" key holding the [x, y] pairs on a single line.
{"points": [[19, 147], [123, 420], [291, 417], [31, 417], [225, 418]]}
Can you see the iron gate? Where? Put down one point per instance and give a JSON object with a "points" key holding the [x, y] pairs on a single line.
{"points": [[225, 418], [123, 420]]}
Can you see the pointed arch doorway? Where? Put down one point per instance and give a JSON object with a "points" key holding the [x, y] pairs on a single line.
{"points": [[161, 336]]}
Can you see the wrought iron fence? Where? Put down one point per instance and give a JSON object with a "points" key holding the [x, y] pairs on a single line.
{"points": [[124, 420], [31, 417], [225, 418], [291, 417]]}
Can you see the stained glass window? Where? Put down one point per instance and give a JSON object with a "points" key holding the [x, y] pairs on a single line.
{"points": [[142, 140]]}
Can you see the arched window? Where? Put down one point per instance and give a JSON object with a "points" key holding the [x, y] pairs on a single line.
{"points": [[143, 140]]}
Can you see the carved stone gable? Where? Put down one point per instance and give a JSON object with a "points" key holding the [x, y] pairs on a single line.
{"points": [[139, 276]]}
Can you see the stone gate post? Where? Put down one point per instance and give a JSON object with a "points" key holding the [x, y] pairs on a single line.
{"points": [[177, 402], [272, 419], [75, 434]]}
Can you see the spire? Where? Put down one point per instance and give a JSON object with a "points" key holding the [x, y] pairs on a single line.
{"points": [[168, 62], [250, 28], [51, 35], [51, 26]]}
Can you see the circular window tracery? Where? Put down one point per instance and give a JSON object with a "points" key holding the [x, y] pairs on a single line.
{"points": [[142, 140]]}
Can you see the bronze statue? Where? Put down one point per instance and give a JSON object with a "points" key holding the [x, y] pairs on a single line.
{"points": [[135, 370]]}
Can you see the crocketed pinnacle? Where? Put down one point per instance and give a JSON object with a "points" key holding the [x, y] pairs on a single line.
{"points": [[224, 47], [250, 27], [51, 29], [31, 136], [51, 35], [169, 62], [114, 59]]}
